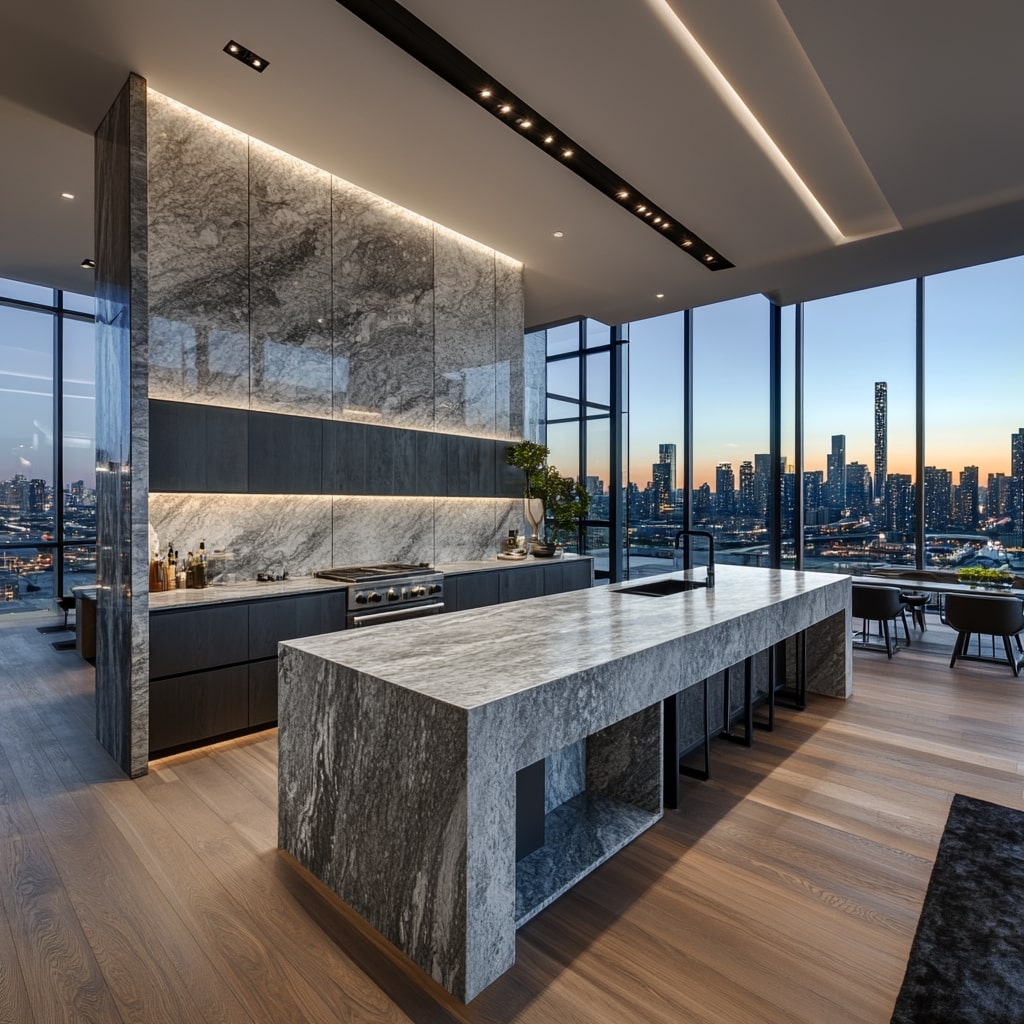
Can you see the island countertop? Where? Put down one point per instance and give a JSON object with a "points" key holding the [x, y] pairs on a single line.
{"points": [[400, 747], [507, 649]]}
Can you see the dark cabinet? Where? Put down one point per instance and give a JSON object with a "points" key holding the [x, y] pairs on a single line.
{"points": [[285, 618], [198, 706], [344, 465], [497, 586], [471, 590], [197, 638], [213, 669], [522, 582], [211, 449], [197, 448], [262, 693], [285, 454]]}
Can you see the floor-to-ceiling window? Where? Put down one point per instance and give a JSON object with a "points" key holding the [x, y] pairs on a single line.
{"points": [[47, 445], [654, 497], [974, 416], [731, 427], [578, 423], [859, 486]]}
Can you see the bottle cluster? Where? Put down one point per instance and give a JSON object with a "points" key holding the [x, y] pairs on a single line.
{"points": [[172, 572]]}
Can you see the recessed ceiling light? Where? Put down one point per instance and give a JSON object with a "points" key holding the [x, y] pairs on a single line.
{"points": [[67, 195], [660, 295], [88, 264], [246, 56], [559, 234], [437, 54]]}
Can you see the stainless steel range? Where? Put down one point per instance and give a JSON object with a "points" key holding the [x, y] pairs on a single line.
{"points": [[389, 591]]}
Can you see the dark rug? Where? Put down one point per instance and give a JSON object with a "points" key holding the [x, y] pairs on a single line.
{"points": [[967, 960]]}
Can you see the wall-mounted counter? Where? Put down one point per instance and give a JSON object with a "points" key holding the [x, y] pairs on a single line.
{"points": [[399, 749]]}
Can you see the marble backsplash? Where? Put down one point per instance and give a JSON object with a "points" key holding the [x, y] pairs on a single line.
{"points": [[301, 533]]}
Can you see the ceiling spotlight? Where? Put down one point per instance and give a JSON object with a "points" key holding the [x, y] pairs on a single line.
{"points": [[421, 42], [709, 258], [88, 264], [559, 234], [660, 295], [67, 195], [246, 56]]}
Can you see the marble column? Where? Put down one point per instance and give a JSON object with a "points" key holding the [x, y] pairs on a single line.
{"points": [[122, 431]]}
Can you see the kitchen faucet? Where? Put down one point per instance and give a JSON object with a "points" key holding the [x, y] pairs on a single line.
{"points": [[711, 550]]}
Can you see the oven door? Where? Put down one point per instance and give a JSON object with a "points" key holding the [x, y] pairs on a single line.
{"points": [[366, 618]]}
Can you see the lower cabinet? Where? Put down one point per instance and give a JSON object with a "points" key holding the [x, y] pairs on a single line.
{"points": [[498, 586], [213, 670], [198, 706]]}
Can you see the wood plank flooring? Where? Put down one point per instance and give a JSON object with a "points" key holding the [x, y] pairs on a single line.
{"points": [[785, 889]]}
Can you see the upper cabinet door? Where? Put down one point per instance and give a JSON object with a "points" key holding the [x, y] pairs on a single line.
{"points": [[285, 454]]}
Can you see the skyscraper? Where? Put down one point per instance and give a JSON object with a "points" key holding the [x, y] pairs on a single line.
{"points": [[1017, 472], [661, 473], [938, 498], [967, 497], [837, 473], [746, 503], [881, 437], [667, 454], [725, 488]]}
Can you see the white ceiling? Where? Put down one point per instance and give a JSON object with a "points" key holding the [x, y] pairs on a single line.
{"points": [[902, 119]]}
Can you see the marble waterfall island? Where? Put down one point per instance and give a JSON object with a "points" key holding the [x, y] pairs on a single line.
{"points": [[400, 745]]}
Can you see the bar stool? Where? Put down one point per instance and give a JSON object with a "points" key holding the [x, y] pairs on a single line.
{"points": [[672, 766], [917, 604], [747, 736]]}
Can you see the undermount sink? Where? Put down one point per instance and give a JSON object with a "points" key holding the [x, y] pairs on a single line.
{"points": [[659, 588]]}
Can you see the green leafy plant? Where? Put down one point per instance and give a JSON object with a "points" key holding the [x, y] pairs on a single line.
{"points": [[530, 457], [976, 574], [565, 499]]}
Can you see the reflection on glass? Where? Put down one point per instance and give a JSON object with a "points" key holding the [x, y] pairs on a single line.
{"points": [[563, 339], [26, 425], [564, 378], [79, 566], [79, 491]]}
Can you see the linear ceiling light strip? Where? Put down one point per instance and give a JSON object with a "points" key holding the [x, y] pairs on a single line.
{"points": [[434, 52]]}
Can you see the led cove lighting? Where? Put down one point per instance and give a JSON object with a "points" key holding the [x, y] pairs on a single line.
{"points": [[246, 56], [434, 52], [745, 116]]}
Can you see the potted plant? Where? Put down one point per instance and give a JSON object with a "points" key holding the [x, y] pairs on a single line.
{"points": [[530, 457], [977, 575], [547, 491]]}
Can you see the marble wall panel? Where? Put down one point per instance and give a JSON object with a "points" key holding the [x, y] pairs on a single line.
{"points": [[510, 398], [464, 338], [383, 530], [290, 284], [122, 663], [510, 517], [198, 257], [466, 528], [268, 533], [534, 384], [383, 310]]}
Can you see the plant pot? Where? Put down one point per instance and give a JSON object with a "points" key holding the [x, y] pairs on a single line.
{"points": [[542, 548]]}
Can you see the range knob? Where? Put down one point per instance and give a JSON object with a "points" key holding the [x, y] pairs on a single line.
{"points": [[361, 598], [434, 588], [392, 594], [373, 597], [419, 591]]}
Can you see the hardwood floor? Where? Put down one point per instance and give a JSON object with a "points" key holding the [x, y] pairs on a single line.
{"points": [[785, 889]]}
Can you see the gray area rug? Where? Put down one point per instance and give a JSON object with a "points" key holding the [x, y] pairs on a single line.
{"points": [[967, 960]]}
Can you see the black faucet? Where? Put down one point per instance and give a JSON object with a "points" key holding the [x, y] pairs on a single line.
{"points": [[711, 550]]}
